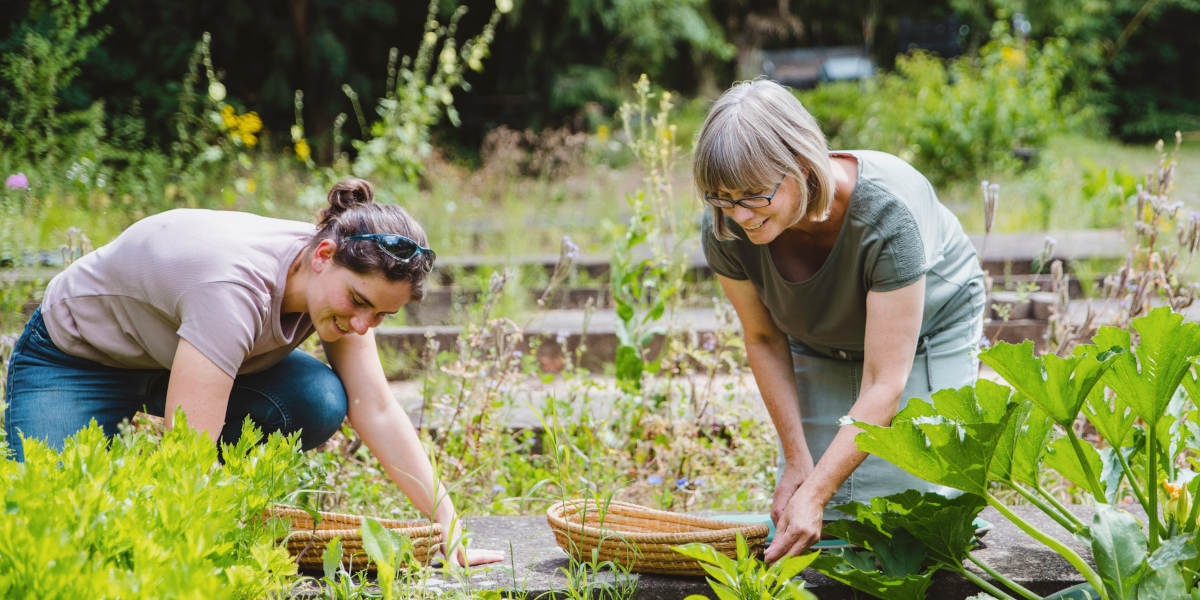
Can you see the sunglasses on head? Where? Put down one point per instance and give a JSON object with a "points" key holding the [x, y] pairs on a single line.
{"points": [[399, 248]]}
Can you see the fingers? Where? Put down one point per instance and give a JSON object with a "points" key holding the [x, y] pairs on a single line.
{"points": [[483, 557], [790, 541]]}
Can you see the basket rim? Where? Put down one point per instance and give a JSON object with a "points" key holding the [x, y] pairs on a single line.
{"points": [[712, 529], [287, 510]]}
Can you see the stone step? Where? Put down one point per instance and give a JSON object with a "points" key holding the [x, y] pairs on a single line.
{"points": [[535, 567], [557, 336], [448, 304], [1012, 253], [526, 400]]}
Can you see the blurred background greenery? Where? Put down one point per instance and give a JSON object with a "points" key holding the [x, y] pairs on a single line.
{"points": [[496, 121]]}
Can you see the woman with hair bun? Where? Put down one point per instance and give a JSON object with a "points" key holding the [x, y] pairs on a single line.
{"points": [[856, 290], [203, 310]]}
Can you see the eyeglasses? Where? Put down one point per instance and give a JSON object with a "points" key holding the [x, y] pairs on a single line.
{"points": [[399, 247], [758, 201]]}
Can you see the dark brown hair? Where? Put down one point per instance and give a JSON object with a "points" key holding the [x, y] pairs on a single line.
{"points": [[352, 211]]}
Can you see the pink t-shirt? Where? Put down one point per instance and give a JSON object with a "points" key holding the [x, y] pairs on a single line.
{"points": [[214, 278]]}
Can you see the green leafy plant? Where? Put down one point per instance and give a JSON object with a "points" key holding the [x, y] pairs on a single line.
{"points": [[745, 577], [419, 93], [146, 517], [389, 550], [1136, 389], [645, 272]]}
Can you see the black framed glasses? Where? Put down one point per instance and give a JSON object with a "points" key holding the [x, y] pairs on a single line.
{"points": [[757, 201], [399, 247]]}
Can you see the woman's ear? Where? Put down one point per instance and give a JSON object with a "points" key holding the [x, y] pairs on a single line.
{"points": [[322, 255]]}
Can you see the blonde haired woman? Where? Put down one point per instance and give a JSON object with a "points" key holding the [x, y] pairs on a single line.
{"points": [[856, 290]]}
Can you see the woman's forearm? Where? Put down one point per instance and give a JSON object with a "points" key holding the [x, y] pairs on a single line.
{"points": [[391, 437], [771, 363], [876, 405]]}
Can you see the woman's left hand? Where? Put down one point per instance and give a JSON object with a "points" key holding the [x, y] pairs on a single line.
{"points": [[470, 557], [798, 528]]}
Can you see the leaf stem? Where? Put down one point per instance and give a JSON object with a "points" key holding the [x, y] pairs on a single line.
{"points": [[1072, 557], [1012, 585], [1093, 482], [1137, 490], [1152, 483], [1048, 497], [985, 585], [1058, 513]]}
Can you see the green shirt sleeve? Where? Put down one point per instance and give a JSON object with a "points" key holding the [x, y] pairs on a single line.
{"points": [[720, 255], [896, 254]]}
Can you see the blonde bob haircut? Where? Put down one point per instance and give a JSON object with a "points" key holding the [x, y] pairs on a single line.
{"points": [[753, 134]]}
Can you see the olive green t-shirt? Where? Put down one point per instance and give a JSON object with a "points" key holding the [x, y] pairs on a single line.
{"points": [[894, 231]]}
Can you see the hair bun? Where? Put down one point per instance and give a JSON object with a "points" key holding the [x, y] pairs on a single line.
{"points": [[347, 194]]}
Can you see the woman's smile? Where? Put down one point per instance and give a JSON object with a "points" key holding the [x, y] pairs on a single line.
{"points": [[756, 226]]}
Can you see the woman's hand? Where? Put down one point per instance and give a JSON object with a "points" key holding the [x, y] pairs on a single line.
{"points": [[797, 528], [791, 479], [470, 557]]}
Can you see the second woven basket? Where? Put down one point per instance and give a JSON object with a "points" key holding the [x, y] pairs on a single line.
{"points": [[641, 538], [308, 538]]}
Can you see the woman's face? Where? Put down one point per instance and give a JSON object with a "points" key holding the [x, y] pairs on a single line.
{"points": [[762, 225], [342, 302]]}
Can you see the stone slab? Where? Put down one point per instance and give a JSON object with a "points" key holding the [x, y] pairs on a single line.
{"points": [[536, 567]]}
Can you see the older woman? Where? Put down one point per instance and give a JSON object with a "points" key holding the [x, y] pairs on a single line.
{"points": [[856, 289], [203, 310]]}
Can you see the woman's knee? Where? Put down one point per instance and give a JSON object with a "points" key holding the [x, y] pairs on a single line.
{"points": [[313, 397], [324, 409]]}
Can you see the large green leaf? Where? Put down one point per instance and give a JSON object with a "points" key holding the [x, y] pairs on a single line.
{"points": [[1165, 349], [879, 585], [1119, 549], [944, 527], [1111, 417], [1056, 385], [1166, 584], [930, 443], [1062, 457], [1018, 456], [937, 449]]}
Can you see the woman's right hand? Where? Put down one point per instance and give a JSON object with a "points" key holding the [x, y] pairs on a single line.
{"points": [[794, 474]]}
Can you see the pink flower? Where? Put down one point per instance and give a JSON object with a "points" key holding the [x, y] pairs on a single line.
{"points": [[17, 181]]}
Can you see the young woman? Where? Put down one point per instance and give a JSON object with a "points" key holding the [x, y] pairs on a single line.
{"points": [[203, 310], [856, 290]]}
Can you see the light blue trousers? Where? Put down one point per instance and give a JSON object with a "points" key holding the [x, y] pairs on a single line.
{"points": [[827, 388]]}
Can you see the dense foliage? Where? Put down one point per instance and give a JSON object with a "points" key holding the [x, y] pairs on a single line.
{"points": [[955, 118], [145, 517], [1136, 390]]}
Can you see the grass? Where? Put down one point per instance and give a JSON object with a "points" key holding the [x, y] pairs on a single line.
{"points": [[1050, 194]]}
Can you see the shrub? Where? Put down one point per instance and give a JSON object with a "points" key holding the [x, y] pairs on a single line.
{"points": [[145, 518], [955, 119]]}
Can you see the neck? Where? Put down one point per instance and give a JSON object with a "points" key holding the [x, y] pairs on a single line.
{"points": [[825, 232], [297, 282]]}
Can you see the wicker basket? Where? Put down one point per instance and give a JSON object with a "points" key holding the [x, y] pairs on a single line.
{"points": [[307, 540], [641, 538]]}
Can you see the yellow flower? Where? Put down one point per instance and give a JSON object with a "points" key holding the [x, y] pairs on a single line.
{"points": [[1014, 57], [248, 139], [228, 116], [303, 152], [251, 185], [1173, 489], [602, 133], [249, 122]]}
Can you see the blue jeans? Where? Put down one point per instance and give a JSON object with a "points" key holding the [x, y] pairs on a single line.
{"points": [[52, 395]]}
